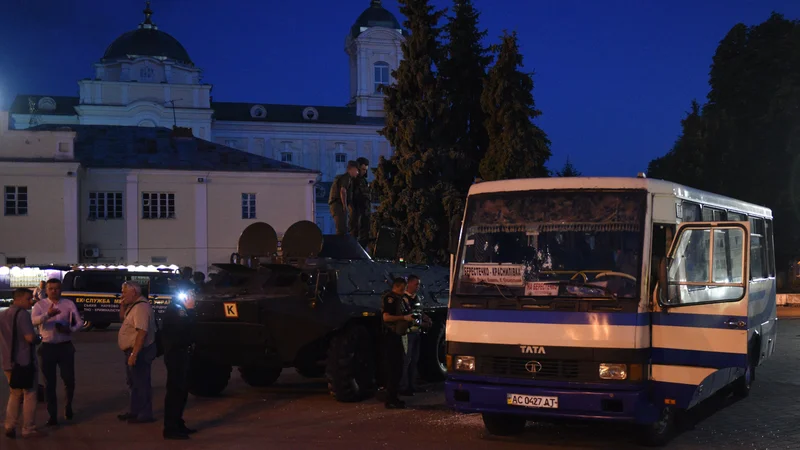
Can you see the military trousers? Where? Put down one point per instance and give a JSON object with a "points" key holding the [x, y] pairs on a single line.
{"points": [[177, 362], [394, 354], [339, 216], [359, 224]]}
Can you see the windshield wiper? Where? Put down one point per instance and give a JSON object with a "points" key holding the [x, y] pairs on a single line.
{"points": [[500, 288], [584, 285]]}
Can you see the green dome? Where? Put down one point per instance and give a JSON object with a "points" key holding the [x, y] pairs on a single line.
{"points": [[375, 16]]}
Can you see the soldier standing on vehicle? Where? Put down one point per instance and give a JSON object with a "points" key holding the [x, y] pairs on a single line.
{"points": [[360, 208], [177, 332], [395, 325], [340, 197], [57, 318]]}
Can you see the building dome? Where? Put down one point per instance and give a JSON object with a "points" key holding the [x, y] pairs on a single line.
{"points": [[147, 40], [375, 16]]}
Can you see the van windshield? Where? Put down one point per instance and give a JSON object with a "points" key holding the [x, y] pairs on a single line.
{"points": [[553, 243]]}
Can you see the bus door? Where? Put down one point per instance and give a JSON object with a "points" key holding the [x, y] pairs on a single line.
{"points": [[700, 323]]}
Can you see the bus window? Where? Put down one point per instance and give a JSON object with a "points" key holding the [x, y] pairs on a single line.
{"points": [[713, 214], [770, 248], [758, 264], [736, 217], [691, 212]]}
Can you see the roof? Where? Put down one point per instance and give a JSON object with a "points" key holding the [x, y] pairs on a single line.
{"points": [[147, 40], [336, 115], [375, 16], [649, 184], [226, 111], [131, 147]]}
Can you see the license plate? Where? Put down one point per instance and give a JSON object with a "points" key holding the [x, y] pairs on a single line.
{"points": [[532, 401]]}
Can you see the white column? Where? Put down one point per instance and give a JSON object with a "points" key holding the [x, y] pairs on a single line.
{"points": [[132, 218], [71, 208], [311, 200], [201, 227]]}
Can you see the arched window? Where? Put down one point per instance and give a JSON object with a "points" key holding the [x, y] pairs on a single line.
{"points": [[381, 75]]}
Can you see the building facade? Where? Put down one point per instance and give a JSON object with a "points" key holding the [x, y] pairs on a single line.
{"points": [[123, 195], [146, 78]]}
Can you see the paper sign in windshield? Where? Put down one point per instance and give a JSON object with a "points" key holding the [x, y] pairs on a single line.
{"points": [[534, 288], [506, 275]]}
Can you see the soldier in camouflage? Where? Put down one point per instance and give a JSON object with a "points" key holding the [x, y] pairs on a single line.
{"points": [[360, 207]]}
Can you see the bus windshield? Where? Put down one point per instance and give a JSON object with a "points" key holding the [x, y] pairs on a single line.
{"points": [[553, 243]]}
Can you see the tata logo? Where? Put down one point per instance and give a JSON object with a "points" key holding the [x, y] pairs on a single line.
{"points": [[532, 349], [533, 366]]}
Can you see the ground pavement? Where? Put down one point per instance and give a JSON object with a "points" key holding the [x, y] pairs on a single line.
{"points": [[297, 413]]}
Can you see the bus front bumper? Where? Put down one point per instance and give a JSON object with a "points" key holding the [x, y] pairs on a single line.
{"points": [[573, 402]]}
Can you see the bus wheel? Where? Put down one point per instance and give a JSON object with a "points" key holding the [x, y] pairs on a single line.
{"points": [[742, 386], [87, 326], [102, 325], [503, 424], [659, 433]]}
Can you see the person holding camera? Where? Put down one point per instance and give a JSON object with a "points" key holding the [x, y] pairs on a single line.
{"points": [[178, 337], [57, 318], [396, 320], [17, 341], [421, 321]]}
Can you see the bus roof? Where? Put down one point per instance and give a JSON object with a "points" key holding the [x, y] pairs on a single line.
{"points": [[651, 185]]}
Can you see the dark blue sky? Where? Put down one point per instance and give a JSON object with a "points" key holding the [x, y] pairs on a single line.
{"points": [[613, 77]]}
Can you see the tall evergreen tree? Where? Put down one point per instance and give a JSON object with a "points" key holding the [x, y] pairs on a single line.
{"points": [[568, 170], [415, 197], [517, 147], [745, 142], [462, 72]]}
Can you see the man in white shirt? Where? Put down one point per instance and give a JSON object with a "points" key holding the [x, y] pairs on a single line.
{"points": [[57, 318], [137, 339]]}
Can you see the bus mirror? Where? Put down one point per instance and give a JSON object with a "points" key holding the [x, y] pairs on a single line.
{"points": [[662, 281]]}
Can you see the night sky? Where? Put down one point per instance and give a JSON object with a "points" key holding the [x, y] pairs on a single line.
{"points": [[613, 77]]}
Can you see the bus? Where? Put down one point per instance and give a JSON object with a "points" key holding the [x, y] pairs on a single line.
{"points": [[620, 299]]}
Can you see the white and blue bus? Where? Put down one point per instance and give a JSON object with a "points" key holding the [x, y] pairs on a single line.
{"points": [[623, 299]]}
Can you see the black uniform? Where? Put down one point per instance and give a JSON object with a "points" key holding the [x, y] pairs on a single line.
{"points": [[335, 201], [176, 336], [393, 350], [360, 210]]}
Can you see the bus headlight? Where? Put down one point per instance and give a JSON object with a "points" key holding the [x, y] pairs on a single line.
{"points": [[465, 363], [613, 371]]}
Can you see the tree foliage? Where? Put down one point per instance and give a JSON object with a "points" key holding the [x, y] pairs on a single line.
{"points": [[416, 189], [517, 147], [462, 72], [745, 141], [568, 170]]}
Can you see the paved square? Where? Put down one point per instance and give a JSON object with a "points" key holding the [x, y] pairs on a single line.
{"points": [[297, 413]]}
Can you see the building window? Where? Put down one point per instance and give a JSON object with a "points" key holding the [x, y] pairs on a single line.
{"points": [[248, 206], [286, 157], [341, 158], [16, 200], [158, 205], [146, 73], [105, 205], [381, 75], [230, 143]]}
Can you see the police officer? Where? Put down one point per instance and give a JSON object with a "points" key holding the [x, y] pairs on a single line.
{"points": [[176, 335], [340, 196], [396, 320], [360, 206]]}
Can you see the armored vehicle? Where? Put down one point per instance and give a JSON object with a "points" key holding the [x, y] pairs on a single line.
{"points": [[311, 302]]}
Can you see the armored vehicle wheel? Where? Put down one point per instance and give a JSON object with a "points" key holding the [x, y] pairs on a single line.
{"points": [[260, 376], [433, 354], [351, 365], [311, 371], [207, 379]]}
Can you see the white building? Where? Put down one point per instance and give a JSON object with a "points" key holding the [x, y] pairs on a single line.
{"points": [[146, 78], [126, 195]]}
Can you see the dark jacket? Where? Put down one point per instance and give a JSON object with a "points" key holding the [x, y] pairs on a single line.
{"points": [[177, 327]]}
